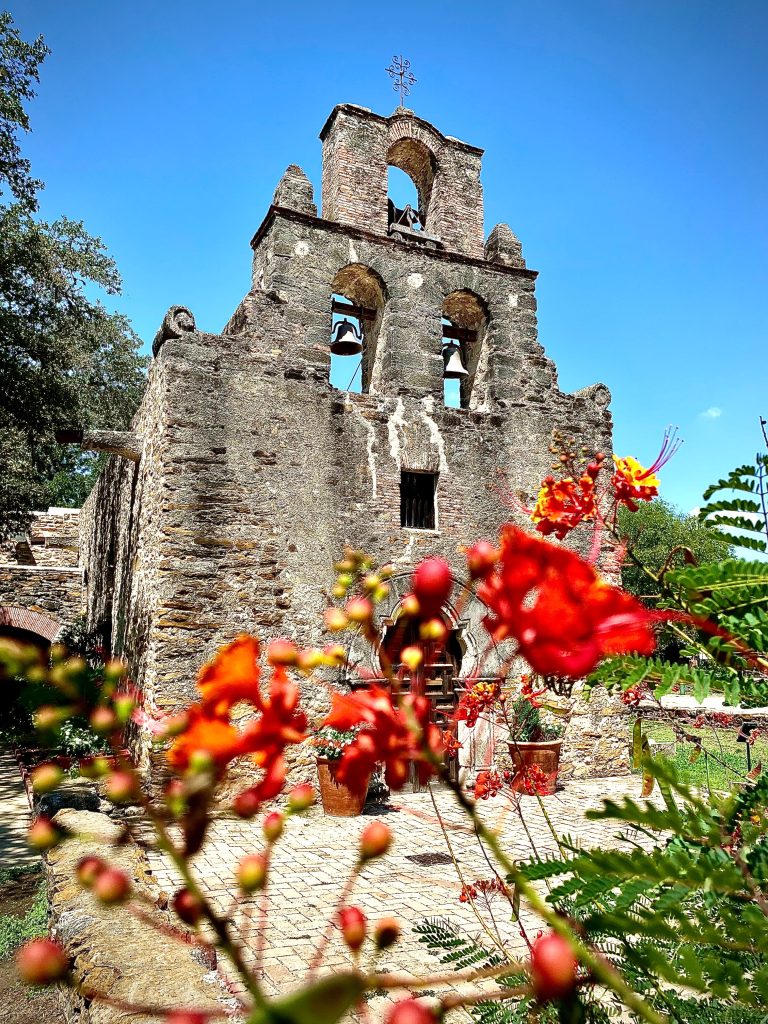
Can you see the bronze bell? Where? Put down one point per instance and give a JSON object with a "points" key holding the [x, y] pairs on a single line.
{"points": [[453, 368], [346, 339]]}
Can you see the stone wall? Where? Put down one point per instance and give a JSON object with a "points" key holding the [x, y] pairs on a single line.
{"points": [[52, 539], [51, 592]]}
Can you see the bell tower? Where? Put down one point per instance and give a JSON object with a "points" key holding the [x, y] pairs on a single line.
{"points": [[254, 462]]}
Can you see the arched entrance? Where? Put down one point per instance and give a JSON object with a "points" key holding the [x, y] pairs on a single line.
{"points": [[31, 629]]}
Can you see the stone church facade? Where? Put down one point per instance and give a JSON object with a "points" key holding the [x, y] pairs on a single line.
{"points": [[246, 470]]}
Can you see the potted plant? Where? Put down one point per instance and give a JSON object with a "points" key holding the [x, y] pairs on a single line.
{"points": [[532, 741], [338, 800]]}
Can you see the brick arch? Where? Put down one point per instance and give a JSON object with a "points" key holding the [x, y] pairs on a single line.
{"points": [[39, 623], [406, 127]]}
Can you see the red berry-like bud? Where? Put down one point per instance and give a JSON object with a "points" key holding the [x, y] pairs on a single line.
{"points": [[375, 840], [273, 826], [282, 652], [432, 582], [335, 620], [593, 469], [103, 720], [386, 932], [186, 1017], [252, 872], [411, 657], [46, 777], [88, 870], [353, 924], [42, 962], [121, 787], [553, 967], [434, 631], [43, 834], [481, 558], [358, 609], [112, 886], [599, 456], [411, 1011], [301, 797], [410, 605], [188, 906], [247, 803]]}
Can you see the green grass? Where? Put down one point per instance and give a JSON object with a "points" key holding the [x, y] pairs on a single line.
{"points": [[14, 931], [722, 763]]}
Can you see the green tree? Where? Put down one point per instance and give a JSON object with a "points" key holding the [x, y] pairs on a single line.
{"points": [[65, 359], [660, 536]]}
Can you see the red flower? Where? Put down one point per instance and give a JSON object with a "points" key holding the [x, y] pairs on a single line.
{"points": [[487, 784], [632, 482], [479, 696], [563, 504], [394, 735], [232, 676], [564, 618], [531, 779]]}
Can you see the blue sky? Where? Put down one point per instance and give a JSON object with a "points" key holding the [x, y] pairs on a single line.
{"points": [[625, 145]]}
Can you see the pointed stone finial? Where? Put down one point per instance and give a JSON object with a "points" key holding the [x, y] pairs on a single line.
{"points": [[295, 191], [503, 246]]}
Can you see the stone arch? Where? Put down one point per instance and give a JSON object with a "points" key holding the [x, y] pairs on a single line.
{"points": [[468, 311], [363, 286], [418, 161], [15, 619]]}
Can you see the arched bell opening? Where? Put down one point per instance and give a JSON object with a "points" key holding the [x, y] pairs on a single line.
{"points": [[464, 321], [358, 296], [443, 669], [411, 174]]}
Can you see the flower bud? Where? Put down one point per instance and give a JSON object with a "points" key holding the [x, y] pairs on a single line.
{"points": [[121, 787], [94, 767], [338, 591], [432, 583], [188, 906], [58, 653], [335, 620], [412, 657], [386, 932], [481, 558], [43, 834], [334, 655], [353, 925], [282, 652], [114, 670], [248, 803], [111, 886], [309, 659], [375, 840], [46, 777], [252, 873], [359, 609], [381, 592], [410, 605], [371, 582], [301, 798], [42, 962], [88, 870], [124, 704], [553, 967], [50, 717], [201, 762], [433, 631], [273, 826], [346, 566], [185, 1017], [103, 720]]}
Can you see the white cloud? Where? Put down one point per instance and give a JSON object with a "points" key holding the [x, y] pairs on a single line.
{"points": [[712, 413]]}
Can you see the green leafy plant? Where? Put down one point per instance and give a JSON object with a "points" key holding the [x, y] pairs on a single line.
{"points": [[527, 725], [331, 743]]}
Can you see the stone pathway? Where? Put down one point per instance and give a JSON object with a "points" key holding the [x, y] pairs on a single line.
{"points": [[14, 816], [415, 880]]}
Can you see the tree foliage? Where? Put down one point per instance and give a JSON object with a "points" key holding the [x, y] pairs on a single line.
{"points": [[65, 359], [653, 532]]}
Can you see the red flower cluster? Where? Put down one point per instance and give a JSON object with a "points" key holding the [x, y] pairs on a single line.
{"points": [[530, 780], [564, 618], [634, 695], [527, 691], [631, 482], [487, 887], [563, 504], [487, 784], [389, 734], [478, 697], [211, 738]]}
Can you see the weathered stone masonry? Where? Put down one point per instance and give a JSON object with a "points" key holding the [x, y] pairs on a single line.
{"points": [[253, 471]]}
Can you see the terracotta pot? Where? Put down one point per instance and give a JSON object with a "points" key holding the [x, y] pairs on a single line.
{"points": [[544, 753], [338, 800]]}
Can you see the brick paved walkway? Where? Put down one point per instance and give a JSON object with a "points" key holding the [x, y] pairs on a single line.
{"points": [[313, 860], [14, 816]]}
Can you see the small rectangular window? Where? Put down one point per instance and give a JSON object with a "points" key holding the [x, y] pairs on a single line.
{"points": [[417, 500]]}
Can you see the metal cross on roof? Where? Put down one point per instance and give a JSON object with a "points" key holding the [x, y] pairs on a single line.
{"points": [[399, 69]]}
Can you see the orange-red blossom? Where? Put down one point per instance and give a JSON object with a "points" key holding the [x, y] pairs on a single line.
{"points": [[211, 737], [392, 735], [564, 617]]}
